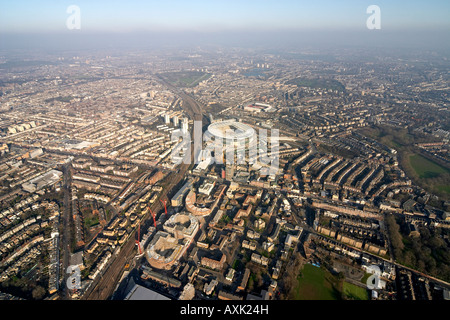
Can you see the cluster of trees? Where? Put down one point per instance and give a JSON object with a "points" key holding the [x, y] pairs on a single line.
{"points": [[394, 236], [289, 280], [428, 253], [349, 154], [256, 279], [24, 288], [404, 140]]}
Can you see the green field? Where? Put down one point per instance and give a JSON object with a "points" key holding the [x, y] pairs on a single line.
{"points": [[318, 83], [90, 221], [185, 78], [365, 277], [444, 188], [426, 168], [255, 73], [421, 168], [315, 284], [355, 292]]}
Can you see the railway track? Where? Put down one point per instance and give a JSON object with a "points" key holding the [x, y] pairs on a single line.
{"points": [[104, 287]]}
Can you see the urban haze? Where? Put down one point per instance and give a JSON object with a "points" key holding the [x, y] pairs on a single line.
{"points": [[346, 197]]}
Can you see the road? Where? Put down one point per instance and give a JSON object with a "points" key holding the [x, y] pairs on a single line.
{"points": [[67, 227]]}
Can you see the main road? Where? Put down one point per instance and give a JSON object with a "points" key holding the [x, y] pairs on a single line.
{"points": [[66, 234]]}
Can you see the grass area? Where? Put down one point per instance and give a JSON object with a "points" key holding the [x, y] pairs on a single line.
{"points": [[60, 99], [349, 154], [90, 221], [423, 170], [365, 277], [316, 284], [329, 84], [185, 78], [213, 108], [444, 188], [397, 138], [426, 168], [238, 265], [354, 292], [255, 73], [396, 144]]}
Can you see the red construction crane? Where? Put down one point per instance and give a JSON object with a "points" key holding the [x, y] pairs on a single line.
{"points": [[153, 215], [138, 241], [165, 207]]}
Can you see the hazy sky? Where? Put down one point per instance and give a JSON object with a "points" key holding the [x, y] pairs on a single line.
{"points": [[27, 16], [41, 24]]}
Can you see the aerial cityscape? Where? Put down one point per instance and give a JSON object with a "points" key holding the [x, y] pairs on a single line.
{"points": [[215, 171]]}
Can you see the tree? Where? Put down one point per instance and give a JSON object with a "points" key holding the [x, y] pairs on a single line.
{"points": [[38, 293], [395, 236]]}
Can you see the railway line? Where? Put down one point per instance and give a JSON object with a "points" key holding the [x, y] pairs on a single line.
{"points": [[104, 286]]}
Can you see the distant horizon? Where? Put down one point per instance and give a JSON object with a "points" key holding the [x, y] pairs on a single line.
{"points": [[407, 24], [233, 15], [274, 39]]}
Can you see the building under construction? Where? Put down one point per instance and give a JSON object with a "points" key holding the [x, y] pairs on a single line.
{"points": [[168, 246]]}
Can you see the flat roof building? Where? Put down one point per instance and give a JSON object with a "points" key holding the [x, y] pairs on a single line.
{"points": [[177, 199], [141, 293]]}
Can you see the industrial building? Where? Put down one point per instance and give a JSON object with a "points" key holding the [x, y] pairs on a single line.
{"points": [[42, 181]]}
